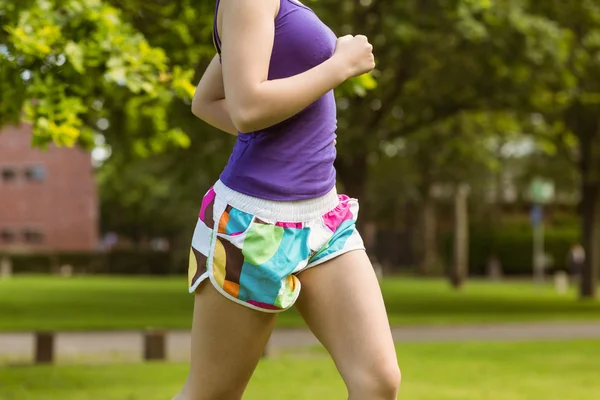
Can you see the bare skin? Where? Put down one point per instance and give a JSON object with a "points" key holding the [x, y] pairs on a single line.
{"points": [[342, 304], [227, 342]]}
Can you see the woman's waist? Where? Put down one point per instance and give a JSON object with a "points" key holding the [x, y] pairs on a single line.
{"points": [[273, 211]]}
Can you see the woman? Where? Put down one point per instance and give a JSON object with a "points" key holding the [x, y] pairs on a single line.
{"points": [[273, 232]]}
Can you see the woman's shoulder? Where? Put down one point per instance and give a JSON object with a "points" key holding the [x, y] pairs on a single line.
{"points": [[252, 5]]}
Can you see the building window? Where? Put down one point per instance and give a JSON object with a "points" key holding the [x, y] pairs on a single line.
{"points": [[35, 173], [7, 236], [9, 174], [33, 236]]}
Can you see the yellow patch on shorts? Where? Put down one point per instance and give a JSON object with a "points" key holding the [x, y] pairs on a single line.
{"points": [[219, 262], [193, 267]]}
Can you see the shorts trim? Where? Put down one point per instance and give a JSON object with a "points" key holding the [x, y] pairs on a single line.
{"points": [[202, 278], [213, 282], [272, 211], [331, 257]]}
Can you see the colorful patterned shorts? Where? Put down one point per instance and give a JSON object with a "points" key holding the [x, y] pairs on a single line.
{"points": [[251, 249]]}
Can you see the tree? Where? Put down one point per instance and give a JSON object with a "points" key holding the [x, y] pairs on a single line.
{"points": [[434, 164], [437, 59], [572, 107], [64, 63]]}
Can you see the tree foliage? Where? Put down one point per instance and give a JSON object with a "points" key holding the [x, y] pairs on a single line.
{"points": [[65, 63]]}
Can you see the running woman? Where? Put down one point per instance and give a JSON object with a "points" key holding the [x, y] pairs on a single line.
{"points": [[273, 232]]}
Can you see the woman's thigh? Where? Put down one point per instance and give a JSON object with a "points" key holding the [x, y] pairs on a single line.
{"points": [[342, 303], [228, 340]]}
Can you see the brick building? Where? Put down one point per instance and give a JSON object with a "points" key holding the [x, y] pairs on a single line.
{"points": [[48, 199]]}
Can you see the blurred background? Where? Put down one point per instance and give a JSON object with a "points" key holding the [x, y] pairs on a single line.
{"points": [[474, 148]]}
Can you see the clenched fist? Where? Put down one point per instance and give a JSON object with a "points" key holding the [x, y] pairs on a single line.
{"points": [[355, 54]]}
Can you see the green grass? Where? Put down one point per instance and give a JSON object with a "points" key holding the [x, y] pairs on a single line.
{"points": [[476, 371], [88, 303]]}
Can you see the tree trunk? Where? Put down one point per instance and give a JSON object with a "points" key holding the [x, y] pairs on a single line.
{"points": [[369, 234], [6, 267], [584, 122], [352, 173], [590, 212], [429, 230], [461, 237]]}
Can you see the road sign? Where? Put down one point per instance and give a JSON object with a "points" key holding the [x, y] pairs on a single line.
{"points": [[541, 191]]}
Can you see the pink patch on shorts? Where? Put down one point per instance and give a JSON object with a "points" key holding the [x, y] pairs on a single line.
{"points": [[293, 225], [208, 198], [263, 305], [334, 218]]}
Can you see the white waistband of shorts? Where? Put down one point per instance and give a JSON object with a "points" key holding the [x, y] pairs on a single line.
{"points": [[278, 211]]}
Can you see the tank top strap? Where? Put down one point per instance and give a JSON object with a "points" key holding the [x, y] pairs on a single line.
{"points": [[216, 38]]}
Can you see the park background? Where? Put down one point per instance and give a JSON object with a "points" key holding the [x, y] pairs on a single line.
{"points": [[474, 148]]}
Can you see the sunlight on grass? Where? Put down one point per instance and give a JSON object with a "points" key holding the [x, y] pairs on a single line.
{"points": [[475, 371], [101, 303]]}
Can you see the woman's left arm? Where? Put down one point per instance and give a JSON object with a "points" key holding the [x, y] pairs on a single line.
{"points": [[209, 100]]}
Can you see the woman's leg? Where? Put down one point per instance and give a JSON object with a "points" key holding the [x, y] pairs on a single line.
{"points": [[342, 303], [228, 340]]}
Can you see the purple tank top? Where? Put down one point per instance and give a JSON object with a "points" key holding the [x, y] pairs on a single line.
{"points": [[292, 160]]}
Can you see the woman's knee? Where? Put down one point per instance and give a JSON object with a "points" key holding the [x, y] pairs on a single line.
{"points": [[379, 383]]}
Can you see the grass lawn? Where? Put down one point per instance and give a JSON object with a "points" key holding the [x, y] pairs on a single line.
{"points": [[475, 371], [101, 303]]}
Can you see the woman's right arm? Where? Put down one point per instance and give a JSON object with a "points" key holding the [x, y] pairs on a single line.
{"points": [[255, 102]]}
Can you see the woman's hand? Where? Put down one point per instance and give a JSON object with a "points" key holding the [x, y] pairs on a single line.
{"points": [[355, 54]]}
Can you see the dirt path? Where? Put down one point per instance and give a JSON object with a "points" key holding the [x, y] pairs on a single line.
{"points": [[127, 346]]}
